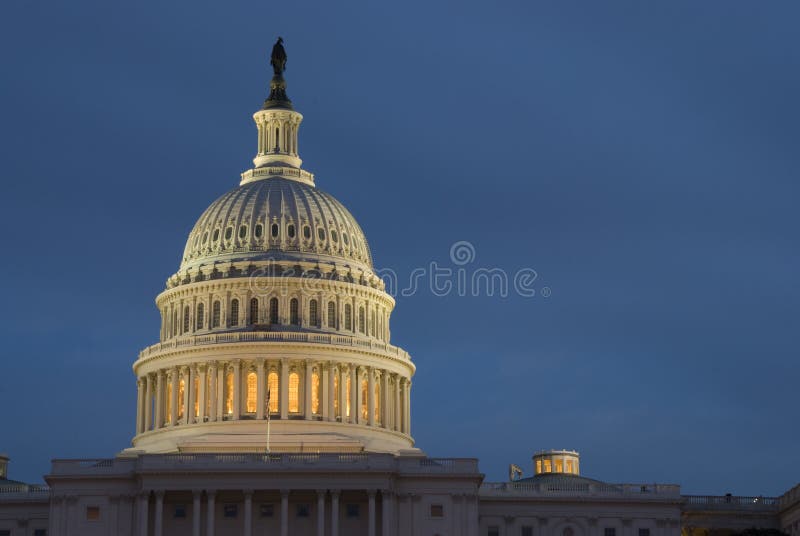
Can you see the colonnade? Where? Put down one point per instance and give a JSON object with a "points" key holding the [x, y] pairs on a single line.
{"points": [[204, 502], [243, 389]]}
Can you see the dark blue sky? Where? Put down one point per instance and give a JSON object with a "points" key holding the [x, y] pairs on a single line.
{"points": [[641, 157]]}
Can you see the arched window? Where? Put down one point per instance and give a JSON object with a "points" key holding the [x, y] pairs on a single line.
{"points": [[313, 313], [331, 314], [364, 399], [336, 411], [377, 401], [229, 392], [361, 319], [186, 319], [294, 392], [348, 392], [306, 232], [348, 317], [181, 391], [234, 312], [252, 387], [274, 230], [243, 231], [168, 403], [228, 233], [254, 310], [259, 230], [215, 314], [290, 230], [201, 310], [197, 396], [294, 316], [315, 393], [274, 394], [273, 310]]}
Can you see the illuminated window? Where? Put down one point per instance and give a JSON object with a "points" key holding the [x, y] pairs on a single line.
{"points": [[234, 312], [181, 391], [201, 309], [349, 397], [168, 403], [186, 319], [559, 466], [272, 383], [569, 466], [273, 311], [538, 466], [313, 313], [348, 317], [254, 310], [364, 399], [547, 466], [315, 393], [361, 319], [215, 314], [252, 387], [294, 316], [377, 401], [92, 513], [331, 314], [229, 392], [294, 393], [336, 412], [197, 397]]}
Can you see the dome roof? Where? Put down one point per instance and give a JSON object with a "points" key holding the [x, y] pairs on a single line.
{"points": [[565, 482], [276, 218]]}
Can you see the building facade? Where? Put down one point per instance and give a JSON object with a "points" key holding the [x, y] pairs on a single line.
{"points": [[275, 403]]}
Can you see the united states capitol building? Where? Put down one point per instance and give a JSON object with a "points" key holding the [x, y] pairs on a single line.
{"points": [[275, 403]]}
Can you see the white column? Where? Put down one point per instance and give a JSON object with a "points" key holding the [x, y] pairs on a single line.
{"points": [[202, 370], [248, 512], [148, 404], [284, 512], [220, 390], [237, 389], [159, 516], [371, 396], [139, 405], [260, 389], [212, 392], [331, 414], [384, 399], [342, 393], [159, 399], [307, 393], [284, 389], [196, 512], [144, 506], [210, 513], [188, 385], [397, 415], [386, 513], [173, 397], [354, 394], [192, 396], [371, 519], [335, 510], [321, 512]]}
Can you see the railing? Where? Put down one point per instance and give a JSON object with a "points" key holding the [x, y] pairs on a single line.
{"points": [[24, 489], [275, 336], [790, 497], [730, 502], [93, 466], [573, 489]]}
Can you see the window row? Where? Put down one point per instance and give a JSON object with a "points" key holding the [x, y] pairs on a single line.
{"points": [[288, 232], [372, 322]]}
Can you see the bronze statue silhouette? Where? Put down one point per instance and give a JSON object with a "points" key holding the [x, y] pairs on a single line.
{"points": [[278, 59]]}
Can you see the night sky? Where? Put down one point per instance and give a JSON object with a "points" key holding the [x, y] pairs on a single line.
{"points": [[641, 157]]}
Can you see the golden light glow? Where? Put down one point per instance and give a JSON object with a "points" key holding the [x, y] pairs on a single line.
{"points": [[272, 382], [181, 391], [569, 466], [347, 387], [538, 466], [364, 399], [315, 393], [377, 401], [294, 393], [252, 387], [229, 393], [208, 393], [168, 404], [548, 468], [559, 466], [336, 411], [197, 397]]}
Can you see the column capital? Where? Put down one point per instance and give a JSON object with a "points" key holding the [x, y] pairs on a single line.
{"points": [[197, 493], [335, 493], [211, 493], [371, 493], [159, 493], [322, 492], [284, 493], [247, 492]]}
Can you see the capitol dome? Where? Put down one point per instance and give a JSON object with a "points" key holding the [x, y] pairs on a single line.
{"points": [[277, 219]]}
